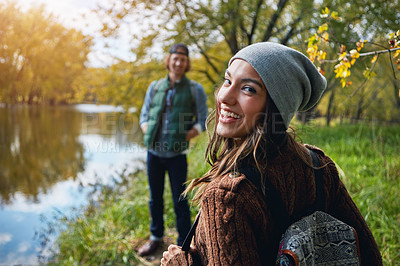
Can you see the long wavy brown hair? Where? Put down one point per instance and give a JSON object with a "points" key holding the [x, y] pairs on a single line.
{"points": [[225, 154]]}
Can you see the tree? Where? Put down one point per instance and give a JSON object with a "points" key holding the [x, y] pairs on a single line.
{"points": [[39, 56]]}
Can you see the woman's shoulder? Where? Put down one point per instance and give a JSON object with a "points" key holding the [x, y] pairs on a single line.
{"points": [[315, 149], [229, 182], [330, 171], [229, 187], [324, 158]]}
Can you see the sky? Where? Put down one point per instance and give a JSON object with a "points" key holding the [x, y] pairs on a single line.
{"points": [[77, 14]]}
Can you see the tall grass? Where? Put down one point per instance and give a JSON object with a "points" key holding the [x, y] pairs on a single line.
{"points": [[368, 155]]}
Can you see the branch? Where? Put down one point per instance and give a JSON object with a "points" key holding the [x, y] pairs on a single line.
{"points": [[255, 21], [205, 72], [188, 29], [365, 81], [274, 18], [391, 64], [363, 54], [291, 32]]}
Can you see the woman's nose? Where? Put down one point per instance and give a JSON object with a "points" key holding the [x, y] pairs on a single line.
{"points": [[227, 95]]}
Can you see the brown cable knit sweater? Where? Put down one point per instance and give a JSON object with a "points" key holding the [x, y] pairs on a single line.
{"points": [[236, 227]]}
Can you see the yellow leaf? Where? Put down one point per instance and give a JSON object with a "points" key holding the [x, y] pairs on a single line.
{"points": [[325, 13], [374, 58], [312, 52], [337, 74], [353, 61], [343, 55], [313, 40], [359, 45], [335, 15], [396, 54], [325, 36], [322, 55], [366, 73], [354, 53], [343, 81], [342, 70], [323, 28]]}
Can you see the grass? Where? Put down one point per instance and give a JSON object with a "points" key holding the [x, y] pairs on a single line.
{"points": [[112, 226]]}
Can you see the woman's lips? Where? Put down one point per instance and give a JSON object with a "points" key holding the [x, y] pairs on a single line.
{"points": [[228, 117], [229, 114]]}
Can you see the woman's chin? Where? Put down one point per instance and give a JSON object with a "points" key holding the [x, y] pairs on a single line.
{"points": [[230, 134], [224, 134]]}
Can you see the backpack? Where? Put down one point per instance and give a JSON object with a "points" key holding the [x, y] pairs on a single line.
{"points": [[314, 238]]}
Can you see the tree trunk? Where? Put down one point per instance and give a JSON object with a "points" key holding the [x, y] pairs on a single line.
{"points": [[329, 110], [359, 109], [396, 89]]}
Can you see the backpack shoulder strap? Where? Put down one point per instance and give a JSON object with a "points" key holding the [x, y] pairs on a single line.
{"points": [[189, 236], [156, 86], [319, 203], [193, 91]]}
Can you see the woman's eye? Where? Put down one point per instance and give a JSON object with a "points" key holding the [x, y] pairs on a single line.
{"points": [[227, 82], [249, 89]]}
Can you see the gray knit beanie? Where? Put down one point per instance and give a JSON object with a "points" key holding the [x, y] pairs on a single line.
{"points": [[292, 81]]}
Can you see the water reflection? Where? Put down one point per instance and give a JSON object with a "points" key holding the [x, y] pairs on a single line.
{"points": [[39, 147], [46, 154]]}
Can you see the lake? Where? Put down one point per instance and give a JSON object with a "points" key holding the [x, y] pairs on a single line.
{"points": [[49, 157]]}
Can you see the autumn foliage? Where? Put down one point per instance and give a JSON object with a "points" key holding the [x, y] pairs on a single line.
{"points": [[347, 58], [40, 59]]}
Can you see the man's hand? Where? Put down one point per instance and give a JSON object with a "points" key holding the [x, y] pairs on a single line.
{"points": [[144, 127], [191, 134]]}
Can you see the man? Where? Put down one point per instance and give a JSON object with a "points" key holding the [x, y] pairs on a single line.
{"points": [[174, 111]]}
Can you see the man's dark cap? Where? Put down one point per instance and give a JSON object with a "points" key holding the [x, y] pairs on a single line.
{"points": [[179, 46]]}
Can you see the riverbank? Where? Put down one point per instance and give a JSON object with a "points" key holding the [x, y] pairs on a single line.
{"points": [[117, 220]]}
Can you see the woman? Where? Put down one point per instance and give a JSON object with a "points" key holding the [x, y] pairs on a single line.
{"points": [[265, 84]]}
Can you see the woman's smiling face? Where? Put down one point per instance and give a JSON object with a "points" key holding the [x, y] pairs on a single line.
{"points": [[240, 100]]}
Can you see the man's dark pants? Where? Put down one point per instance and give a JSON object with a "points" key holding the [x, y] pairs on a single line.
{"points": [[177, 172]]}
